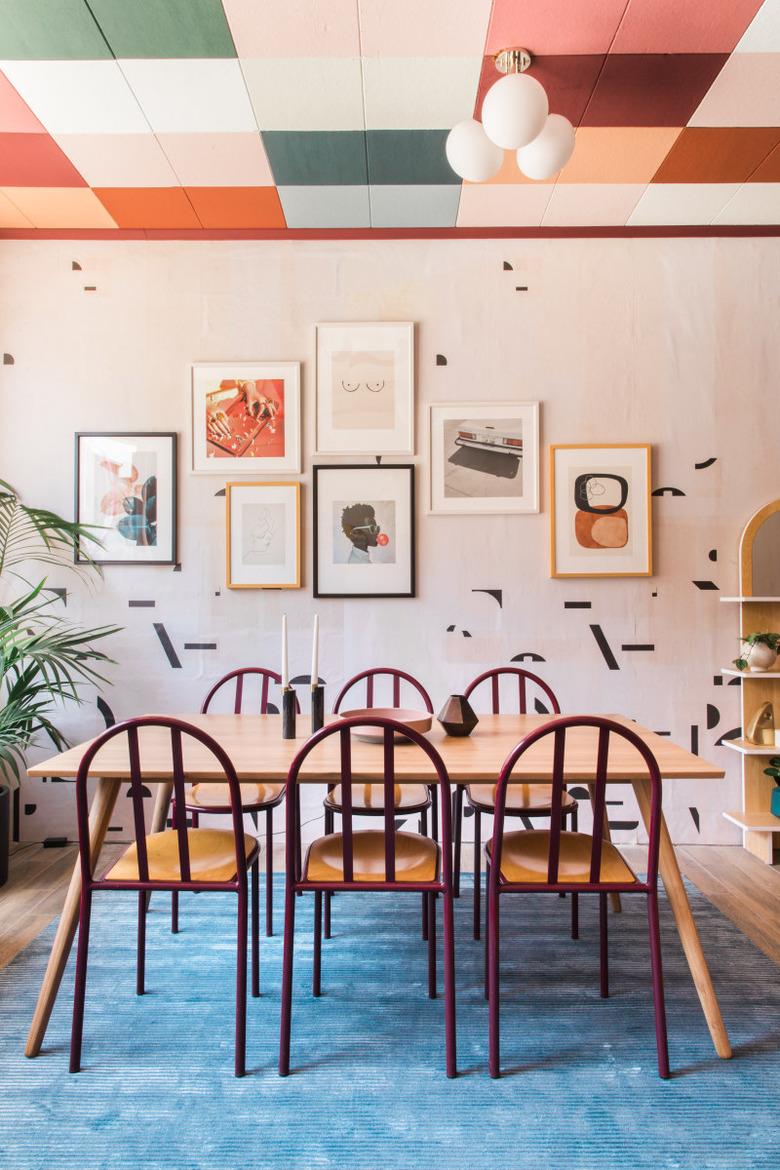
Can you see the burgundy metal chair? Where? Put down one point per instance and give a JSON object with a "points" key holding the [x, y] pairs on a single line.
{"points": [[367, 799], [256, 798], [370, 860], [525, 800], [175, 859], [556, 861]]}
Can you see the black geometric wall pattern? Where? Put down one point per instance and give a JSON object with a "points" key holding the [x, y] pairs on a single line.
{"points": [[75, 266], [521, 288], [167, 645], [540, 708], [704, 585], [632, 646], [8, 359], [465, 633], [177, 568], [527, 656], [141, 604], [450, 629], [61, 593], [713, 716], [200, 645], [108, 715], [221, 492], [496, 594], [668, 491], [695, 818], [577, 605], [706, 463], [507, 266], [604, 647], [304, 680], [695, 739], [441, 359], [713, 554], [735, 733]]}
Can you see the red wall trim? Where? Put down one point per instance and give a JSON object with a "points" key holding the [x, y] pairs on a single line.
{"points": [[464, 233]]}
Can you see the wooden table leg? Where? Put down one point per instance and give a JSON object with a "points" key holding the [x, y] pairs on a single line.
{"points": [[614, 897], [100, 813], [162, 805], [686, 927]]}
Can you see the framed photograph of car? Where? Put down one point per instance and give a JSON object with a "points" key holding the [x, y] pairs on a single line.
{"points": [[484, 457]]}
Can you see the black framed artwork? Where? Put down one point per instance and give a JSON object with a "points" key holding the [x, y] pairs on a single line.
{"points": [[125, 486], [364, 531]]}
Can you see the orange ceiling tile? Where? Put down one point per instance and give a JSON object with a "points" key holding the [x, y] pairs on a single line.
{"points": [[148, 207], [618, 154], [769, 171], [237, 207], [722, 154]]}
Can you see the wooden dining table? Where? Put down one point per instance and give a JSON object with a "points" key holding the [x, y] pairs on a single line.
{"points": [[259, 753]]}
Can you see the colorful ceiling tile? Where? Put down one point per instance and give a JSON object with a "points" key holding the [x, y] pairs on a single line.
{"points": [[277, 115]]}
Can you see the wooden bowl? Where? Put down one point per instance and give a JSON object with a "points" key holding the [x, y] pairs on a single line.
{"points": [[417, 720]]}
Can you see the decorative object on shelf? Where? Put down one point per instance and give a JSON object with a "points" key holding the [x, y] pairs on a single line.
{"points": [[515, 116], [365, 388], [761, 728], [246, 416], [263, 535], [364, 531], [484, 457], [759, 652], [773, 771], [126, 486], [457, 716], [601, 518]]}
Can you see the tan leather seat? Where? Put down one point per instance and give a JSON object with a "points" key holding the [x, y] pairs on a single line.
{"points": [[217, 796], [212, 856], [520, 798], [416, 858], [524, 858], [372, 797]]}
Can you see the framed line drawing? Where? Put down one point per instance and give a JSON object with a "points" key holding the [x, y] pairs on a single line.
{"points": [[246, 417], [125, 484], [601, 510], [484, 457], [364, 531], [365, 388], [263, 535]]}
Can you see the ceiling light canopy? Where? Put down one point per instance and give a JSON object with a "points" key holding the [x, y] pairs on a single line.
{"points": [[515, 116]]}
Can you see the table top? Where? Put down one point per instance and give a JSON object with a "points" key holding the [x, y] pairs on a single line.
{"points": [[258, 752]]}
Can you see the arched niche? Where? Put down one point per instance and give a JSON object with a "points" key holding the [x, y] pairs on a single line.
{"points": [[759, 553]]}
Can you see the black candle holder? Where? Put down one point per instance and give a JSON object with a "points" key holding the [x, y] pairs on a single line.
{"points": [[288, 713], [317, 707]]}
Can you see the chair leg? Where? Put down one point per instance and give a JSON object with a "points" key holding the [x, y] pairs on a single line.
{"points": [[449, 985], [174, 912], [316, 970], [269, 873], [434, 790], [285, 1026], [603, 946], [241, 949], [424, 833], [85, 913], [575, 916], [487, 931], [430, 898], [255, 928], [329, 826], [477, 868], [494, 1058], [457, 824], [658, 985], [140, 960], [298, 842]]}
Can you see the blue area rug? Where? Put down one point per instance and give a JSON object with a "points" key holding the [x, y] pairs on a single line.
{"points": [[368, 1091]]}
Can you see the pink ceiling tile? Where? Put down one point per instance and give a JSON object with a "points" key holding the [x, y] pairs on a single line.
{"points": [[569, 82], [591, 204], [218, 160], [696, 26], [35, 160], [753, 203], [504, 205], [16, 117], [437, 28], [618, 154], [746, 92], [61, 207], [554, 26], [10, 215], [648, 89], [119, 160], [295, 28]]}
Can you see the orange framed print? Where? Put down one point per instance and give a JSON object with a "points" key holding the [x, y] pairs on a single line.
{"points": [[263, 535], [246, 417], [600, 510]]}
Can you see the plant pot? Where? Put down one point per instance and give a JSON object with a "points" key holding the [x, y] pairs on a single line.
{"points": [[5, 831], [759, 656], [774, 803]]}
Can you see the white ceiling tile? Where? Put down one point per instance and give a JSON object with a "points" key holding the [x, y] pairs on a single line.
{"points": [[414, 205], [419, 93], [681, 203], [503, 204], [305, 93], [757, 203], [325, 207], [78, 97], [762, 35], [746, 92], [218, 160], [191, 95], [591, 204]]}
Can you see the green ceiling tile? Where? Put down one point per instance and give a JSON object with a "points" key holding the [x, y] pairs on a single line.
{"points": [[409, 156], [324, 158], [49, 30], [165, 28]]}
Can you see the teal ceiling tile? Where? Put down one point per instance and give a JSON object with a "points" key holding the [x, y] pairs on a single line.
{"points": [[165, 28], [49, 30], [409, 156], [414, 206], [325, 207], [322, 158]]}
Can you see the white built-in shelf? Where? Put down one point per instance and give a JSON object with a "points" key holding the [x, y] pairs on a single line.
{"points": [[747, 600], [732, 670], [746, 748], [754, 822]]}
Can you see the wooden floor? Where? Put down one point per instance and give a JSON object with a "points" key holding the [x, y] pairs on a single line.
{"points": [[744, 889]]}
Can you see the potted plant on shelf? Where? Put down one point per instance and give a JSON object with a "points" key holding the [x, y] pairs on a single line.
{"points": [[774, 771], [44, 659], [759, 652]]}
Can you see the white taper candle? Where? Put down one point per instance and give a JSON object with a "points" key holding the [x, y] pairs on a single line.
{"points": [[285, 667], [315, 652]]}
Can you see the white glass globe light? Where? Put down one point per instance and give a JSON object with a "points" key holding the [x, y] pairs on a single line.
{"points": [[550, 151], [514, 110], [470, 152]]}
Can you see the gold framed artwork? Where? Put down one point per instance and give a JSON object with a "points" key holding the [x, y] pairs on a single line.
{"points": [[600, 510], [263, 535]]}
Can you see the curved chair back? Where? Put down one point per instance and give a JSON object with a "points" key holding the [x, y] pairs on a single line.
{"points": [[398, 676], [390, 729], [266, 678], [179, 732], [524, 677], [557, 729]]}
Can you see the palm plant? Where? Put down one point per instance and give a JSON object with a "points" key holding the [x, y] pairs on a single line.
{"points": [[44, 659]]}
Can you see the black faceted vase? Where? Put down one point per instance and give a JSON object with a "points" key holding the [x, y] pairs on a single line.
{"points": [[457, 716]]}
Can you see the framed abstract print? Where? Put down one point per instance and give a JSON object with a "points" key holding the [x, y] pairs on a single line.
{"points": [[364, 531], [246, 417], [126, 486], [484, 457], [263, 535], [601, 511], [365, 388]]}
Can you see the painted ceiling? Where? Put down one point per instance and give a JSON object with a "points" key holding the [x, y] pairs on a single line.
{"points": [[182, 117]]}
